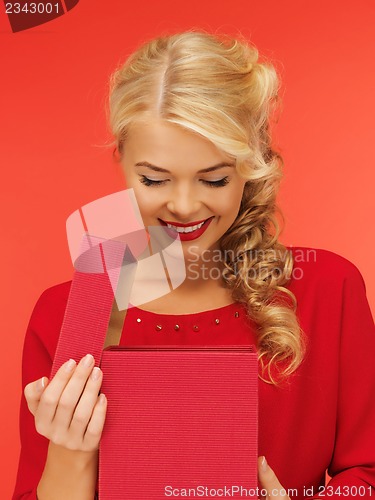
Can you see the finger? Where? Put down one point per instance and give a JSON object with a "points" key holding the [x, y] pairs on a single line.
{"points": [[95, 427], [269, 481], [87, 402], [73, 392], [33, 392], [51, 395]]}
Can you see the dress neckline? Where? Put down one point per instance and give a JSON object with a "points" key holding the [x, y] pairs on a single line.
{"points": [[228, 307]]}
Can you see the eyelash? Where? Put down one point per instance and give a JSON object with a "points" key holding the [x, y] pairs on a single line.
{"points": [[148, 182]]}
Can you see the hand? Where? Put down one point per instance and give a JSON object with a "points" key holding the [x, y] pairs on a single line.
{"points": [[67, 409], [269, 482]]}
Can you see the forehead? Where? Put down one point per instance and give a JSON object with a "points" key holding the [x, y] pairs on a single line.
{"points": [[166, 144]]}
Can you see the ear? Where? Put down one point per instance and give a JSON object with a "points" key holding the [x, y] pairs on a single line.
{"points": [[116, 153]]}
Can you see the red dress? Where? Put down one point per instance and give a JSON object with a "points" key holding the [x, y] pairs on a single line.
{"points": [[323, 417]]}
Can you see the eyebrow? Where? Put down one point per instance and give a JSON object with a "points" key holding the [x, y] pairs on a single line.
{"points": [[209, 169]]}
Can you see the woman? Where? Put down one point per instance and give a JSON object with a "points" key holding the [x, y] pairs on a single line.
{"points": [[190, 114]]}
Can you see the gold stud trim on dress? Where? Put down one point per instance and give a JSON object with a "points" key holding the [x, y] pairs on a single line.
{"points": [[195, 327]]}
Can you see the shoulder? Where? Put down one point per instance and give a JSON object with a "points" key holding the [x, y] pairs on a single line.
{"points": [[330, 293], [48, 314], [51, 302], [320, 266]]}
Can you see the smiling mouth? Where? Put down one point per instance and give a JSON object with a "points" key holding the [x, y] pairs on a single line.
{"points": [[185, 229]]}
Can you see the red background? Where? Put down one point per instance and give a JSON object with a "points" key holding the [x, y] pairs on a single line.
{"points": [[52, 97]]}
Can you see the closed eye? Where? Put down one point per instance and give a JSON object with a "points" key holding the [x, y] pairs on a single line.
{"points": [[148, 182]]}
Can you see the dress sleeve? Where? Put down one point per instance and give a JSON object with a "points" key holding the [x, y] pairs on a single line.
{"points": [[39, 349], [36, 363], [352, 467]]}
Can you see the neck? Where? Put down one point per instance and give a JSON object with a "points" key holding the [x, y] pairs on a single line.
{"points": [[203, 274]]}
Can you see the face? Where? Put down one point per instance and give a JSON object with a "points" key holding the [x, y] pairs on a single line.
{"points": [[182, 179]]}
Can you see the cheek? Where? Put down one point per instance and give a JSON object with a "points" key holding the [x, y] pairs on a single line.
{"points": [[230, 203], [148, 203], [142, 195]]}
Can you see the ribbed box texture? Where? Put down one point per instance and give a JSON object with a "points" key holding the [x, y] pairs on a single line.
{"points": [[178, 418]]}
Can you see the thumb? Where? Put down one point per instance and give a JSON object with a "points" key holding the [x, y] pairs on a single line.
{"points": [[268, 480], [33, 393]]}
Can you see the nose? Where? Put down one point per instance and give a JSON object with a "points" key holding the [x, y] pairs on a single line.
{"points": [[184, 204]]}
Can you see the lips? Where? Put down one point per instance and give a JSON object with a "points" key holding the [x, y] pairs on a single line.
{"points": [[178, 224], [192, 235]]}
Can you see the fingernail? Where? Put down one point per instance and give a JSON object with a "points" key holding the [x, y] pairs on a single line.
{"points": [[88, 360], [95, 374], [263, 464], [41, 384], [69, 365]]}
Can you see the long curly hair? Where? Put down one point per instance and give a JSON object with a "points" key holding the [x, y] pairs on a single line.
{"points": [[214, 85]]}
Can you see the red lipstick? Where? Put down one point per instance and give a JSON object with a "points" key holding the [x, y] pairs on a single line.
{"points": [[192, 235]]}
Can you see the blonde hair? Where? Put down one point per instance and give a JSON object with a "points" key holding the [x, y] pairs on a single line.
{"points": [[215, 86]]}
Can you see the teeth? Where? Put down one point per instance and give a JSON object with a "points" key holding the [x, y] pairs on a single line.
{"points": [[185, 229]]}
